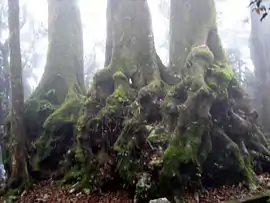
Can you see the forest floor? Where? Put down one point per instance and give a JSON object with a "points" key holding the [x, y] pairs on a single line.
{"points": [[47, 191]]}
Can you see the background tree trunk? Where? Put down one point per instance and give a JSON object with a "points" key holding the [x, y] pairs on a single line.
{"points": [[259, 51], [64, 66], [18, 158], [109, 41]]}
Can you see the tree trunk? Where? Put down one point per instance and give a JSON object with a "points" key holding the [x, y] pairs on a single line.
{"points": [[1, 110], [209, 92], [6, 72], [134, 76], [132, 44], [109, 41], [192, 23], [130, 47], [62, 86], [181, 129], [64, 66], [259, 51], [19, 165]]}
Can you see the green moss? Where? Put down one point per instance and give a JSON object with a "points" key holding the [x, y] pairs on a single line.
{"points": [[48, 140], [224, 74], [79, 156], [157, 134], [115, 102], [183, 150], [54, 90], [218, 80], [74, 175], [145, 188], [129, 166], [35, 113], [200, 52], [68, 112], [246, 168], [119, 74], [43, 146]]}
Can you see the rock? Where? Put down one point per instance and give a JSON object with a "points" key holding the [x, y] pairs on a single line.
{"points": [[86, 191], [72, 190], [160, 200]]}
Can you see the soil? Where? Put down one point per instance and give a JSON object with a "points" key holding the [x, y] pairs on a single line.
{"points": [[47, 191]]}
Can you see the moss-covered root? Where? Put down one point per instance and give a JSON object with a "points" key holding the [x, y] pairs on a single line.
{"points": [[98, 131], [129, 147], [59, 128], [240, 155], [206, 83], [192, 110]]}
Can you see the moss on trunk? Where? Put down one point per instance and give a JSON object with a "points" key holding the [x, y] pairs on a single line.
{"points": [[144, 129]]}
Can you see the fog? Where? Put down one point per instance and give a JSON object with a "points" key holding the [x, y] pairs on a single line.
{"points": [[233, 24]]}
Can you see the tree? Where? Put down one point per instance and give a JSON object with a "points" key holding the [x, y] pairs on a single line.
{"points": [[259, 51], [201, 104], [63, 73], [145, 128], [29, 56], [239, 67], [19, 164], [60, 87], [64, 66], [135, 109], [181, 42]]}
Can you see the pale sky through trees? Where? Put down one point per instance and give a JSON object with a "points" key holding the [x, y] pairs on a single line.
{"points": [[234, 32]]}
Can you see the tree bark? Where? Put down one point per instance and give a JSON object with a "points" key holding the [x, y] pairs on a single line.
{"points": [[133, 44], [259, 51], [109, 41], [192, 23], [64, 66], [19, 165]]}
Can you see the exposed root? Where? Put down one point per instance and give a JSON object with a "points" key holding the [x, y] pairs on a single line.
{"points": [[159, 128]]}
